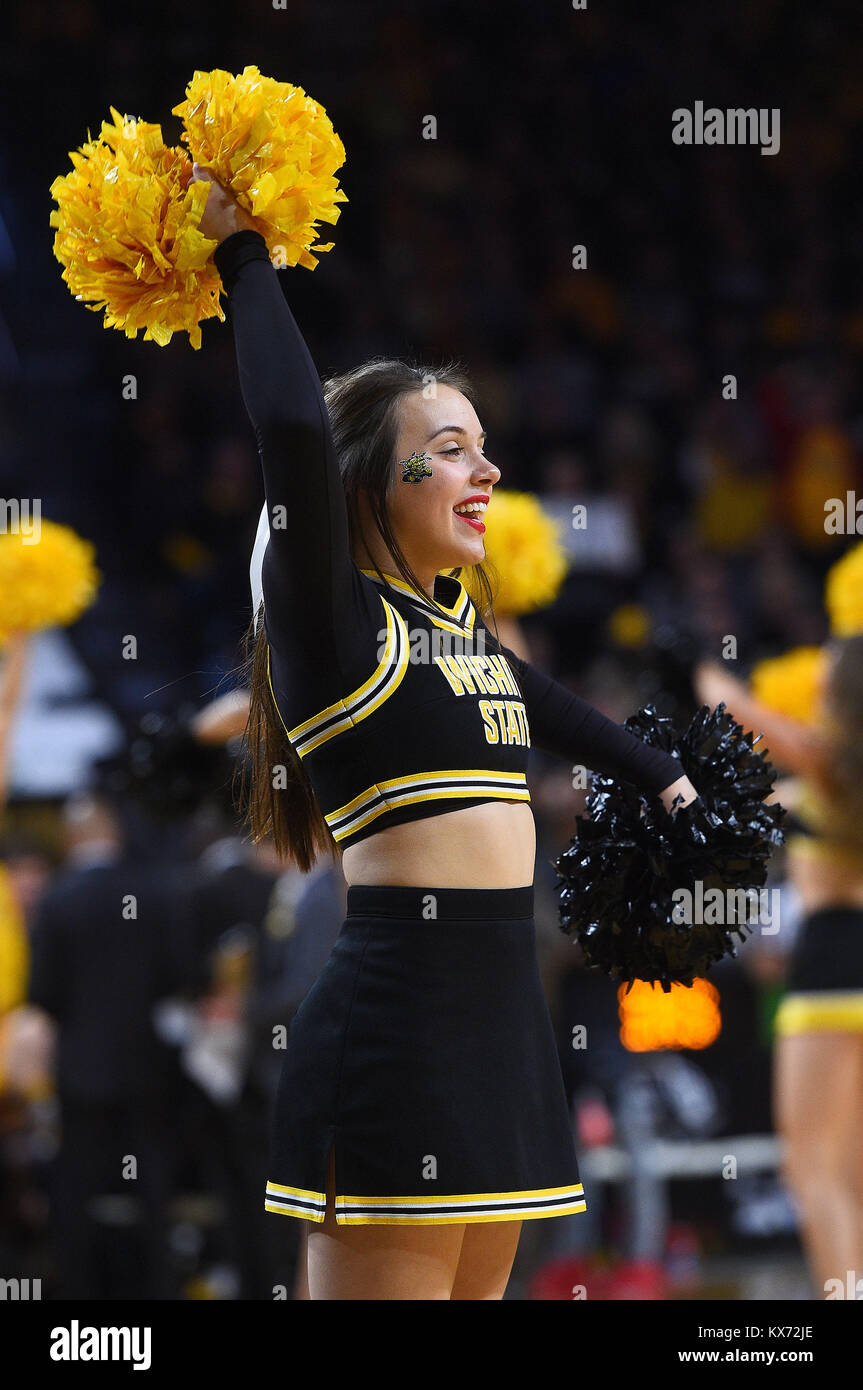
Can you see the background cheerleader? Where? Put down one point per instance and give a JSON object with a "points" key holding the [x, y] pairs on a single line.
{"points": [[818, 1070]]}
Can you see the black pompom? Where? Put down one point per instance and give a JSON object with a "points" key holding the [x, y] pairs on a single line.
{"points": [[629, 855]]}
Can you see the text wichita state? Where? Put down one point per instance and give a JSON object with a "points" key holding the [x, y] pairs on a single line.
{"points": [[504, 721], [471, 673]]}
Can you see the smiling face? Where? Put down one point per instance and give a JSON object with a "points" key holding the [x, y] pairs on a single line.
{"points": [[430, 531]]}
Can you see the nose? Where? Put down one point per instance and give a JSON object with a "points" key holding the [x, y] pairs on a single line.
{"points": [[487, 470]]}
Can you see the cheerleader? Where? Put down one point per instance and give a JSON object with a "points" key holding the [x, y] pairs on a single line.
{"points": [[421, 1114], [818, 1058]]}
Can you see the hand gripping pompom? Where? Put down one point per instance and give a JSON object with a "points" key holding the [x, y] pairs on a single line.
{"points": [[128, 214], [629, 856]]}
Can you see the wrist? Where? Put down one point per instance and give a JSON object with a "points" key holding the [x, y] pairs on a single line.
{"points": [[241, 246], [238, 220], [681, 787]]}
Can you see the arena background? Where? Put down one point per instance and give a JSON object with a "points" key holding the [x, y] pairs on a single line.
{"points": [[599, 386]]}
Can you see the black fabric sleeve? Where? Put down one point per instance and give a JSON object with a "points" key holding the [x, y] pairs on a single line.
{"points": [[308, 581], [564, 724]]}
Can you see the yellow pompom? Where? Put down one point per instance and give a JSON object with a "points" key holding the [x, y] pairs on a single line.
{"points": [[629, 625], [48, 582], [790, 684], [652, 1019], [128, 233], [823, 465], [523, 544], [277, 151], [735, 505], [843, 594], [14, 952]]}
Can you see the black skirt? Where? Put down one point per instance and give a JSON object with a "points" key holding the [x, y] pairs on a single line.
{"points": [[824, 988], [424, 1055]]}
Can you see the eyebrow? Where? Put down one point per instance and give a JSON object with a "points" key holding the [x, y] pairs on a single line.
{"points": [[452, 429]]}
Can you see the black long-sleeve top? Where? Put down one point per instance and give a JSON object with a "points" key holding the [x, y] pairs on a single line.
{"points": [[390, 726]]}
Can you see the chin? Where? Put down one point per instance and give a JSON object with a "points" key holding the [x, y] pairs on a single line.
{"points": [[454, 551], [463, 558]]}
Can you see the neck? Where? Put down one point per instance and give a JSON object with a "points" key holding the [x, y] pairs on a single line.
{"points": [[383, 560]]}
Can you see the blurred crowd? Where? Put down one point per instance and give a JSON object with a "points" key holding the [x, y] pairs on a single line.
{"points": [[605, 386]]}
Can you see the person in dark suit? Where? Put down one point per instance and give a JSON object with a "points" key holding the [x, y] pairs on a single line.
{"points": [[109, 942]]}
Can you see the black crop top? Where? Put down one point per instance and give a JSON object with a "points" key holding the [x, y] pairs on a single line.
{"points": [[397, 711]]}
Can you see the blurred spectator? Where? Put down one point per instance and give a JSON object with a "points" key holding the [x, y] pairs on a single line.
{"points": [[107, 945]]}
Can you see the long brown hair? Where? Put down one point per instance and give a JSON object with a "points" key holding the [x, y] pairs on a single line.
{"points": [[363, 409], [842, 779]]}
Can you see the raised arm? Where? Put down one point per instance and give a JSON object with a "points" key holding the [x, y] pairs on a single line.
{"points": [[307, 563], [798, 747], [307, 567], [564, 724]]}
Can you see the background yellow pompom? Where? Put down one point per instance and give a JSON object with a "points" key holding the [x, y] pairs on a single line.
{"points": [[790, 684], [651, 1019], [524, 547], [277, 151], [629, 626], [51, 582], [128, 237], [843, 594], [14, 953]]}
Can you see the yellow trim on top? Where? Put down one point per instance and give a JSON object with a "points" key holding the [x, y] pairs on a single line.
{"points": [[453, 609], [457, 773], [519, 791], [821, 1011], [386, 674], [273, 693], [462, 793], [390, 614], [400, 583]]}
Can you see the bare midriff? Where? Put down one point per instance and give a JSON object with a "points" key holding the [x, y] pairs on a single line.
{"points": [[492, 845], [824, 876]]}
